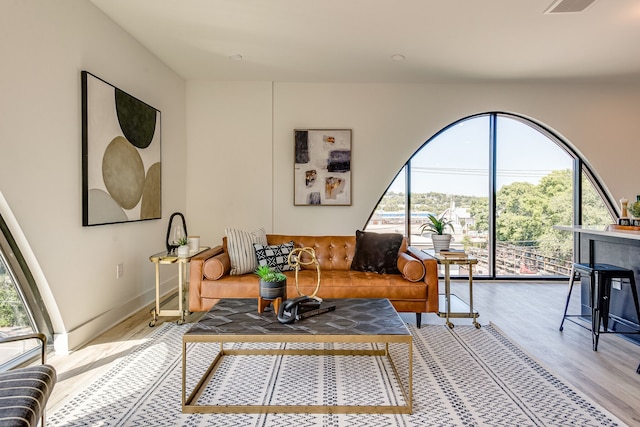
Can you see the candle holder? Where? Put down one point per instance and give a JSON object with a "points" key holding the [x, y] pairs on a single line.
{"points": [[176, 231]]}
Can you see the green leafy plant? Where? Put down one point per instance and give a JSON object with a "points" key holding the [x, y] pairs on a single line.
{"points": [[436, 225], [634, 208], [183, 241], [269, 274]]}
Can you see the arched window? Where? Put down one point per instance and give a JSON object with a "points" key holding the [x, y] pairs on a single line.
{"points": [[503, 181], [21, 308]]}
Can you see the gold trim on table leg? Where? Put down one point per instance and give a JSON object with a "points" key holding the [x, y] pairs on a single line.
{"points": [[206, 377], [408, 395], [189, 405]]}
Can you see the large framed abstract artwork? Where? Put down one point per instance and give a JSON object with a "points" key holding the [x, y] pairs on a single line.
{"points": [[322, 169], [120, 155]]}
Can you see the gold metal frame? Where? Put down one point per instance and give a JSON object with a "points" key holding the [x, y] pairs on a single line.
{"points": [[166, 258], [450, 306], [189, 403]]}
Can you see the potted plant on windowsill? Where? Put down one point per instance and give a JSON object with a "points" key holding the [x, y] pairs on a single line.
{"points": [[273, 284], [437, 227]]}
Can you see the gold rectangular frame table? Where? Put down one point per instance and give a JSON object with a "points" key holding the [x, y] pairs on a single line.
{"points": [[182, 261], [354, 320], [450, 306]]}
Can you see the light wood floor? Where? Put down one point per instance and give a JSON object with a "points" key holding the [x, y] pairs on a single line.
{"points": [[528, 313]]}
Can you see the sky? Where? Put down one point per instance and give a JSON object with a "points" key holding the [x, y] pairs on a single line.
{"points": [[456, 161]]}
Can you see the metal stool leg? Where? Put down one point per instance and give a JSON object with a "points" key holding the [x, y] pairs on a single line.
{"points": [[634, 292], [595, 309], [566, 306], [605, 298]]}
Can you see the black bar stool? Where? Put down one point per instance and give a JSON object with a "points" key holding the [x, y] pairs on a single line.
{"points": [[600, 278]]}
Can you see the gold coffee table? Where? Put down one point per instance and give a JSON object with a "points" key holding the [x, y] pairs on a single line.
{"points": [[353, 321]]}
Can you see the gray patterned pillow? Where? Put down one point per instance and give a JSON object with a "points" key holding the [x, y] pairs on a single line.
{"points": [[274, 255]]}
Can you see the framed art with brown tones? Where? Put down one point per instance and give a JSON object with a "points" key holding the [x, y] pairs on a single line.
{"points": [[120, 155], [322, 167]]}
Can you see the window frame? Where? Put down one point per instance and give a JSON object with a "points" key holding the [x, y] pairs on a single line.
{"points": [[580, 168], [27, 290]]}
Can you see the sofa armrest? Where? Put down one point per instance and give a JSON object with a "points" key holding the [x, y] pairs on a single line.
{"points": [[196, 274], [430, 277]]}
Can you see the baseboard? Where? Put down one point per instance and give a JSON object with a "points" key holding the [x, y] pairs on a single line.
{"points": [[65, 342]]}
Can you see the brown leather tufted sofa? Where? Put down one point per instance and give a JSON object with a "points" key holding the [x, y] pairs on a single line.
{"points": [[210, 279]]}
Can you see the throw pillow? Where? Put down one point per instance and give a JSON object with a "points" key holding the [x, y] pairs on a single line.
{"points": [[241, 253], [377, 252], [410, 268], [275, 256], [214, 268]]}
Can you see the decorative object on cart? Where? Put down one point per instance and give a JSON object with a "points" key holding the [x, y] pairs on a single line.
{"points": [[273, 284], [624, 207], [322, 169], [183, 246], [175, 231], [438, 226], [194, 243], [120, 155]]}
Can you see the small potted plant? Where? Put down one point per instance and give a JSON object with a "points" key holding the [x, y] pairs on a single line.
{"points": [[273, 284], [634, 209], [183, 246], [437, 227]]}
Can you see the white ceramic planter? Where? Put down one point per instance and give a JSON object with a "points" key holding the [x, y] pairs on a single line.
{"points": [[440, 242]]}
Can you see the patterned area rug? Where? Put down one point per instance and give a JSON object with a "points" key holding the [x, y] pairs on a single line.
{"points": [[464, 376]]}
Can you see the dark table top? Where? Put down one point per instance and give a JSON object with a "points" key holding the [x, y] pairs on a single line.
{"points": [[352, 316]]}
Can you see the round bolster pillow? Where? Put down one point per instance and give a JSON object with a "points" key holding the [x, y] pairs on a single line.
{"points": [[214, 268], [411, 268]]}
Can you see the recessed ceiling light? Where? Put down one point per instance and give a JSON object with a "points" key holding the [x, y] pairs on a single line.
{"points": [[235, 57], [398, 57]]}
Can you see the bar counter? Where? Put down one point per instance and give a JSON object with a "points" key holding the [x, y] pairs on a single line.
{"points": [[615, 245]]}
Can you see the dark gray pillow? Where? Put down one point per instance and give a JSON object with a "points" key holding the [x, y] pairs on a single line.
{"points": [[377, 252]]}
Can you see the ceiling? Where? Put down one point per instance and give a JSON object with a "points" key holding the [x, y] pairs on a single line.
{"points": [[354, 40]]}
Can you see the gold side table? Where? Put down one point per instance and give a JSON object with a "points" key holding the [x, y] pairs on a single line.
{"points": [[450, 306], [181, 261]]}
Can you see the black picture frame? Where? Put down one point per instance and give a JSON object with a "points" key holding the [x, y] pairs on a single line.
{"points": [[121, 155]]}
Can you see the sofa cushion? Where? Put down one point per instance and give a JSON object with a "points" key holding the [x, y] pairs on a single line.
{"points": [[240, 247], [275, 256], [376, 252], [332, 252], [215, 267], [410, 268]]}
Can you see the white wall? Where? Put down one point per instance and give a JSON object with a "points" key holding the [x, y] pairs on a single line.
{"points": [[237, 140], [44, 45], [389, 122], [229, 170]]}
